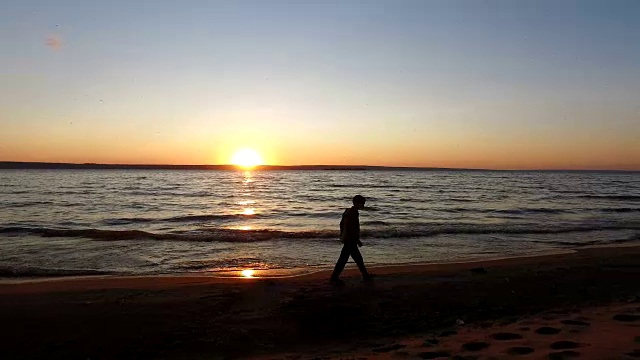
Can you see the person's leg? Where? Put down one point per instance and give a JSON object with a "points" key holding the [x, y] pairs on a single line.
{"points": [[357, 257], [342, 261]]}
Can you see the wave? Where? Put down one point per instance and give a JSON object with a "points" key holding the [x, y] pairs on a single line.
{"points": [[633, 238], [389, 187], [521, 211], [613, 197], [219, 217], [317, 214], [332, 214], [526, 211], [383, 231], [374, 222], [27, 204], [186, 218], [222, 235], [25, 271], [98, 234], [621, 210]]}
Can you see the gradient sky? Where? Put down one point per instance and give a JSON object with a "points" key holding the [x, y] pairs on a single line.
{"points": [[483, 84]]}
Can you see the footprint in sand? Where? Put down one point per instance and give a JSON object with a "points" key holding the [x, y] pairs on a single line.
{"points": [[562, 345], [547, 330], [475, 346], [505, 336], [563, 355], [520, 350], [626, 317]]}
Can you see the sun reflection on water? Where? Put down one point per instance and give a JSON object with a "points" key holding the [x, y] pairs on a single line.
{"points": [[249, 211]]}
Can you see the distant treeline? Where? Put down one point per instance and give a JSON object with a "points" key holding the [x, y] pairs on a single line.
{"points": [[92, 166]]}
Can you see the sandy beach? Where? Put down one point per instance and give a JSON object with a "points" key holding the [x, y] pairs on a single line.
{"points": [[583, 304]]}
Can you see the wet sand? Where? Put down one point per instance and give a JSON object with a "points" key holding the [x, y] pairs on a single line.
{"points": [[414, 311]]}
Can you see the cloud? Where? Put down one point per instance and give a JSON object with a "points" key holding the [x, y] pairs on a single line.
{"points": [[53, 42]]}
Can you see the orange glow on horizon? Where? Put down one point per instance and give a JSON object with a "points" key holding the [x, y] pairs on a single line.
{"points": [[523, 154]]}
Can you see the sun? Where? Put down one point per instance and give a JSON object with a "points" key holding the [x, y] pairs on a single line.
{"points": [[247, 273], [246, 158]]}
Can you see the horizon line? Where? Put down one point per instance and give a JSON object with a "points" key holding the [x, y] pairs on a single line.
{"points": [[264, 167]]}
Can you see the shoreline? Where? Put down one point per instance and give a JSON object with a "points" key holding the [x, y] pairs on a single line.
{"points": [[179, 279], [86, 282]]}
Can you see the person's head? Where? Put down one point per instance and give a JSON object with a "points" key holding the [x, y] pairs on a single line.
{"points": [[358, 201]]}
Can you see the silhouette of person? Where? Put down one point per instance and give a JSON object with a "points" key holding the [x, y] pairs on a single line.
{"points": [[350, 237]]}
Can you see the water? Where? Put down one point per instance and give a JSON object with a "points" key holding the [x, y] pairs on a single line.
{"points": [[76, 222]]}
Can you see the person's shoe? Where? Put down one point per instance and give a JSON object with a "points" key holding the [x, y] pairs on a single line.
{"points": [[336, 282]]}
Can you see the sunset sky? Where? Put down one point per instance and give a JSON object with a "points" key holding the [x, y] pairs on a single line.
{"points": [[481, 84]]}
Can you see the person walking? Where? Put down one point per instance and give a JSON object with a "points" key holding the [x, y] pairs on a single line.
{"points": [[350, 237]]}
